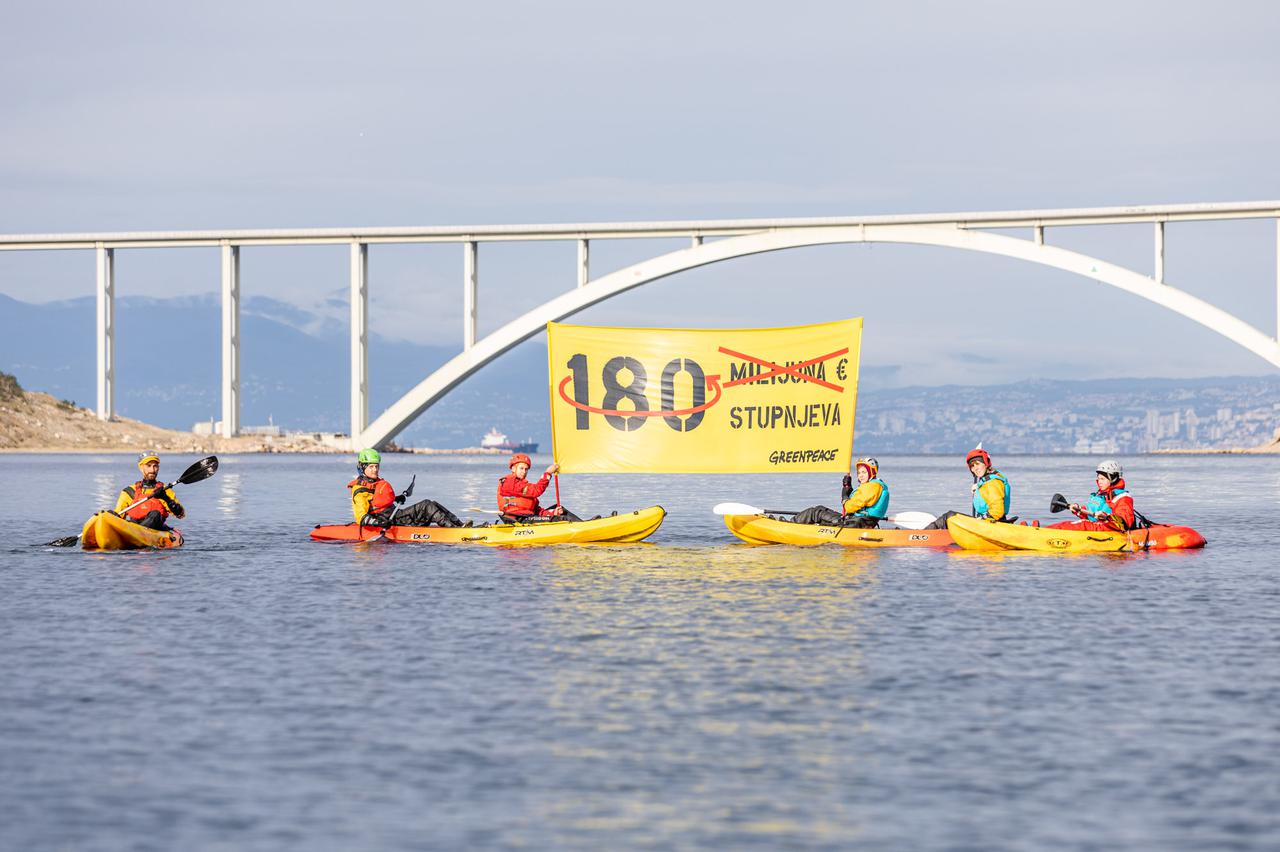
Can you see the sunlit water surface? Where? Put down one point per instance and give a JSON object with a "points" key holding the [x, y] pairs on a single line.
{"points": [[255, 690]]}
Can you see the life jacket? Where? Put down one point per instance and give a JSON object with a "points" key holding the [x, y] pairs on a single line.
{"points": [[525, 502], [980, 507], [137, 491], [370, 496], [1104, 502], [880, 508]]}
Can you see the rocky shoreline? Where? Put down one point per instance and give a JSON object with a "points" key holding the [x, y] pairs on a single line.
{"points": [[34, 422]]}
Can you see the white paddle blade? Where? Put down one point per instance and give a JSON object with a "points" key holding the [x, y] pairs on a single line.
{"points": [[913, 520], [736, 509]]}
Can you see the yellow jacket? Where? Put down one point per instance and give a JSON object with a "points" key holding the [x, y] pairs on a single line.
{"points": [[866, 496], [993, 492]]}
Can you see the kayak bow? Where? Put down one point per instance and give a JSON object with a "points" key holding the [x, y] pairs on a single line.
{"points": [[106, 531]]}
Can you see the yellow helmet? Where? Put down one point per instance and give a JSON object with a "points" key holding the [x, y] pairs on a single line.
{"points": [[872, 466], [148, 456]]}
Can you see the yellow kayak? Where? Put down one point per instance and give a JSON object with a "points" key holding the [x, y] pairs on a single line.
{"points": [[105, 531], [977, 534], [759, 529], [632, 526]]}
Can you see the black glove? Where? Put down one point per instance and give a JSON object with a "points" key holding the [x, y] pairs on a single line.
{"points": [[846, 487], [400, 498], [162, 494]]}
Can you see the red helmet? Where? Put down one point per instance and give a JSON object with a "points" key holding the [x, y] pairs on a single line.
{"points": [[978, 453], [519, 458]]}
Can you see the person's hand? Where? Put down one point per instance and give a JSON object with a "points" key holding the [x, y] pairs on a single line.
{"points": [[553, 469], [1104, 516], [847, 482], [400, 498], [1075, 508]]}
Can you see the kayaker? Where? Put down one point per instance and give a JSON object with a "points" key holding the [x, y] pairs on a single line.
{"points": [[864, 508], [992, 493], [158, 501], [1110, 508], [518, 497], [373, 500]]}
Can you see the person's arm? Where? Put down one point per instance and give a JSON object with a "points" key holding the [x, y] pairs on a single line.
{"points": [[361, 497], [1121, 516], [172, 502], [535, 489], [992, 491], [866, 495], [124, 500]]}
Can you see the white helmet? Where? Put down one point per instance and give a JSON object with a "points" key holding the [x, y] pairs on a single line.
{"points": [[1111, 468]]}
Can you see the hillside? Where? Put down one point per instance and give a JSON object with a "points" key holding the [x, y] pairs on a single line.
{"points": [[36, 422]]}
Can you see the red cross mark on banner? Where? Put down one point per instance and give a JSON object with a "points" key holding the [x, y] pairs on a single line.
{"points": [[779, 369]]}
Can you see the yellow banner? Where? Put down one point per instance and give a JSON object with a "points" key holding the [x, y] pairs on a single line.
{"points": [[669, 400]]}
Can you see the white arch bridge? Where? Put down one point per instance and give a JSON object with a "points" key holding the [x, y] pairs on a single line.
{"points": [[709, 242]]}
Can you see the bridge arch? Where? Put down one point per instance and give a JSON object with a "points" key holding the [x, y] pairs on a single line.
{"points": [[401, 413]]}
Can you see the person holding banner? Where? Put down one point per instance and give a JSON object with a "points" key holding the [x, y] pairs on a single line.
{"points": [[518, 497], [992, 493], [864, 508]]}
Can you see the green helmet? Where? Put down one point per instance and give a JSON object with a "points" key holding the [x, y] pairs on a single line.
{"points": [[369, 456]]}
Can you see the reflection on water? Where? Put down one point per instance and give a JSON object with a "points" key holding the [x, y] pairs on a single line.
{"points": [[736, 648], [687, 692], [105, 490], [229, 494]]}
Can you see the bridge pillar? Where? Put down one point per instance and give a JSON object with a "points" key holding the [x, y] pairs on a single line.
{"points": [[1159, 253], [230, 340], [584, 262], [470, 281], [359, 338], [106, 332]]}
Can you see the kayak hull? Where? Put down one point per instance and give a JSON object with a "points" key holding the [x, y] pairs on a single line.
{"points": [[978, 534], [615, 529], [105, 531], [758, 529]]}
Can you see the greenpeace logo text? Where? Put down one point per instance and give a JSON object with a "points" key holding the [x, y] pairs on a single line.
{"points": [[801, 456]]}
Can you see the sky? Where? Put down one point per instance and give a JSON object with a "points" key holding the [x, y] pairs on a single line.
{"points": [[161, 116]]}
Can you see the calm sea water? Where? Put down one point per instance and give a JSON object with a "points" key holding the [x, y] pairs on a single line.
{"points": [[255, 690]]}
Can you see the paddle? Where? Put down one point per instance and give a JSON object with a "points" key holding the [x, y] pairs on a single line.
{"points": [[906, 520], [198, 472]]}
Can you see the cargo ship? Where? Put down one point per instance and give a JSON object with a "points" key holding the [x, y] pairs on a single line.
{"points": [[495, 440]]}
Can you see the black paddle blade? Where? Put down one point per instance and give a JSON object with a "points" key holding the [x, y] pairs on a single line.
{"points": [[68, 541], [1057, 503], [199, 471], [409, 491]]}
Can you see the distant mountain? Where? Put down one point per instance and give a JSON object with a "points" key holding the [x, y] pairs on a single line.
{"points": [[295, 366]]}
